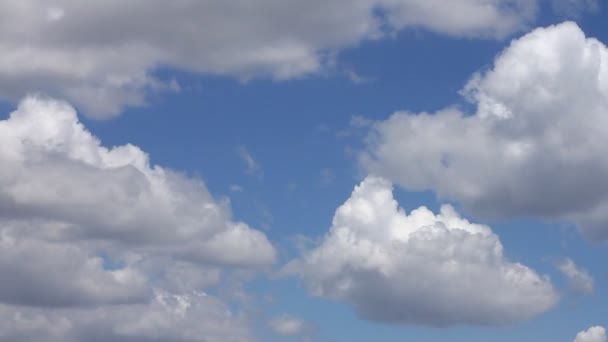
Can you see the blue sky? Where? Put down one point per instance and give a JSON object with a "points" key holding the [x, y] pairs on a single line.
{"points": [[281, 130]]}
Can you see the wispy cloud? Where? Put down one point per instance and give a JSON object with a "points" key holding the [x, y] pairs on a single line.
{"points": [[287, 325], [252, 167], [580, 280], [236, 188]]}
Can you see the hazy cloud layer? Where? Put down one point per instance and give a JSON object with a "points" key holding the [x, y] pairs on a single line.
{"points": [[84, 228], [535, 146], [400, 268], [102, 56]]}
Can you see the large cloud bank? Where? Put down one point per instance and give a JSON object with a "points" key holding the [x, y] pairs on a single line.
{"points": [[103, 55], [97, 244], [419, 268], [535, 146]]}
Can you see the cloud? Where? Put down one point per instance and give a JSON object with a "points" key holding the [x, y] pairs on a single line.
{"points": [[236, 188], [98, 244], [419, 268], [465, 18], [71, 276], [54, 170], [574, 8], [534, 147], [327, 176], [69, 50], [251, 165], [167, 317], [287, 325], [593, 334], [579, 279]]}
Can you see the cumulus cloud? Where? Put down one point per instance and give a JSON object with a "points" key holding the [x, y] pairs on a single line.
{"points": [[579, 279], [287, 325], [419, 268], [104, 56], [98, 241], [593, 334], [56, 171], [167, 317], [534, 147]]}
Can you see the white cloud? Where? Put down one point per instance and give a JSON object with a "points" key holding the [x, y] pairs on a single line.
{"points": [[55, 170], [579, 279], [468, 18], [287, 325], [395, 267], [593, 334], [533, 148], [95, 240], [103, 56], [167, 317]]}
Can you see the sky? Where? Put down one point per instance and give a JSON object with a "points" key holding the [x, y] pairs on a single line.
{"points": [[283, 170]]}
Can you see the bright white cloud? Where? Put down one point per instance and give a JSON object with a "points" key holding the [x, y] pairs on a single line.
{"points": [[419, 268], [287, 325], [97, 240], [593, 334], [533, 148], [579, 279], [55, 170], [103, 56]]}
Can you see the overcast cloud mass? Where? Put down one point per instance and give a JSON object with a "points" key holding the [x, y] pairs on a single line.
{"points": [[100, 243], [102, 56]]}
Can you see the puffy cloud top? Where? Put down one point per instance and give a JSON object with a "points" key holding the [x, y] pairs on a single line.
{"points": [[419, 268], [55, 170], [98, 242], [593, 334], [533, 148]]}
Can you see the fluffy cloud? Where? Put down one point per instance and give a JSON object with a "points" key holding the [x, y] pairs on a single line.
{"points": [[419, 268], [98, 241], [167, 317], [54, 170], [103, 56], [580, 280], [593, 334], [287, 325], [533, 148]]}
